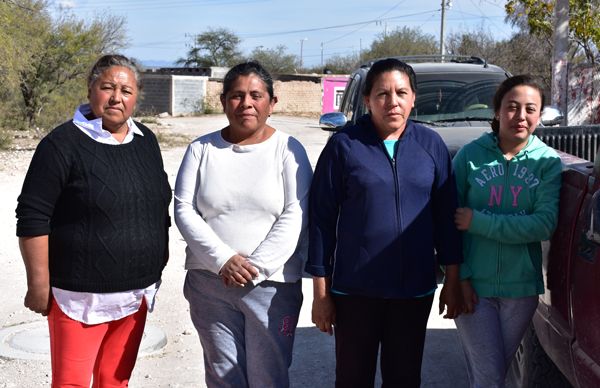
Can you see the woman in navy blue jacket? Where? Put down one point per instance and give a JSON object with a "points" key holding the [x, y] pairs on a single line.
{"points": [[382, 206]]}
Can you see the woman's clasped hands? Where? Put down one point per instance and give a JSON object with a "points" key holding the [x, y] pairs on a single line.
{"points": [[238, 271]]}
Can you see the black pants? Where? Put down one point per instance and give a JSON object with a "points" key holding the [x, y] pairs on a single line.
{"points": [[362, 324]]}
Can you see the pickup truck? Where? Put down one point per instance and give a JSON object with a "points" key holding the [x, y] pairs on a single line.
{"points": [[562, 346]]}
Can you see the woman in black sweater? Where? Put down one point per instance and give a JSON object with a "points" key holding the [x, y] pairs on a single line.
{"points": [[93, 231]]}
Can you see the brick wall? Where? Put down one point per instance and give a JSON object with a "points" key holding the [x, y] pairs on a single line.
{"points": [[156, 94], [294, 97], [301, 97], [185, 94]]}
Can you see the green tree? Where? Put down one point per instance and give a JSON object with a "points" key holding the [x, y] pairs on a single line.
{"points": [[68, 50], [342, 64], [584, 22], [215, 47], [479, 43], [402, 41], [17, 38], [44, 60], [276, 60], [524, 53]]}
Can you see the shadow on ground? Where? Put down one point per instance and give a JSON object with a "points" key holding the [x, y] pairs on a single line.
{"points": [[314, 360]]}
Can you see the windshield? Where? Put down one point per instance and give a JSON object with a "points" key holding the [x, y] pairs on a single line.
{"points": [[455, 96]]}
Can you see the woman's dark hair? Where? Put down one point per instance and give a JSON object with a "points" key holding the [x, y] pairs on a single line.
{"points": [[105, 62], [506, 86], [386, 65], [245, 69]]}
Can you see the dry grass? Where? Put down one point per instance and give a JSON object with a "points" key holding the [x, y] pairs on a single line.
{"points": [[168, 139], [5, 140]]}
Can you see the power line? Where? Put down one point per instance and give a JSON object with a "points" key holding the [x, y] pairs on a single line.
{"points": [[144, 6], [494, 3], [262, 35], [483, 15], [363, 26]]}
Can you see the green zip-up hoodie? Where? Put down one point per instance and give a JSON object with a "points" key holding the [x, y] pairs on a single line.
{"points": [[515, 207]]}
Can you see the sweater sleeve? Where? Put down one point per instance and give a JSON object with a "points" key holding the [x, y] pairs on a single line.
{"points": [[324, 203], [283, 238], [448, 243], [536, 226], [201, 240], [44, 182], [460, 166]]}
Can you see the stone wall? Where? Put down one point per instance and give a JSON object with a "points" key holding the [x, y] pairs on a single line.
{"points": [[212, 101]]}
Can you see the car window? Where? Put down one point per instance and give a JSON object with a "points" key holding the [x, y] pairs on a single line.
{"points": [[352, 96], [454, 96]]}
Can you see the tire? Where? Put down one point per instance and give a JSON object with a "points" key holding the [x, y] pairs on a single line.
{"points": [[532, 368]]}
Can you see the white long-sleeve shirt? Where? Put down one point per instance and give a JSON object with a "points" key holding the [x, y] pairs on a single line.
{"points": [[245, 199]]}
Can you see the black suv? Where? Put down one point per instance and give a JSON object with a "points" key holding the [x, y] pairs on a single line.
{"points": [[454, 96]]}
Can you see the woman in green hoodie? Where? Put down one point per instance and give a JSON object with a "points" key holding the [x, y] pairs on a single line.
{"points": [[508, 187]]}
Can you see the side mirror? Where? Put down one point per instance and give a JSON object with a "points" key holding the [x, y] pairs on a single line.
{"points": [[551, 115], [333, 121]]}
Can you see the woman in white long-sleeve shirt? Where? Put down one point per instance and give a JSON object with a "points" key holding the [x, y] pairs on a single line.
{"points": [[240, 204]]}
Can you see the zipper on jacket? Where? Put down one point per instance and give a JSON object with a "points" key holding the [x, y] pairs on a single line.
{"points": [[397, 195], [396, 188], [506, 186], [394, 168]]}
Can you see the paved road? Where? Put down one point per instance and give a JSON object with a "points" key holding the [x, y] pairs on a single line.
{"points": [[179, 363]]}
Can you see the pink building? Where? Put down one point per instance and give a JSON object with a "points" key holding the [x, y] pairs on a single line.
{"points": [[333, 89]]}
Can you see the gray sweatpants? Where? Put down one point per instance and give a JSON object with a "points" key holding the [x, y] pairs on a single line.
{"points": [[247, 333], [491, 335]]}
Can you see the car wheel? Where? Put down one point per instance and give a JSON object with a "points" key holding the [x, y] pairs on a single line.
{"points": [[532, 368]]}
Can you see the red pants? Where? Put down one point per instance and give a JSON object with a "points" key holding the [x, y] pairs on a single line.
{"points": [[107, 351]]}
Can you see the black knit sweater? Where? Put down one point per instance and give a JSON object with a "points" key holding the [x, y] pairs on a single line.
{"points": [[104, 207]]}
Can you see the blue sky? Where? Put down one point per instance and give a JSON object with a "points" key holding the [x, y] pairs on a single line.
{"points": [[162, 30]]}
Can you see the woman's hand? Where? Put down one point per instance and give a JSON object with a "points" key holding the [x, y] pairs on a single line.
{"points": [[450, 296], [238, 271], [462, 218], [35, 256], [37, 299], [323, 313], [323, 308], [470, 298]]}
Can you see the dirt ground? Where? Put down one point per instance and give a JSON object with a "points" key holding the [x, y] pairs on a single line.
{"points": [[180, 363]]}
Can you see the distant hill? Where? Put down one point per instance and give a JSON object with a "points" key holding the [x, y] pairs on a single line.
{"points": [[153, 63]]}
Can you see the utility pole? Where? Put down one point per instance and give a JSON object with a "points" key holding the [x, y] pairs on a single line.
{"points": [[559, 58], [301, 48], [445, 3], [321, 54]]}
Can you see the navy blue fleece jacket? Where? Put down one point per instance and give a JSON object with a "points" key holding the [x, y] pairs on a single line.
{"points": [[376, 223]]}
